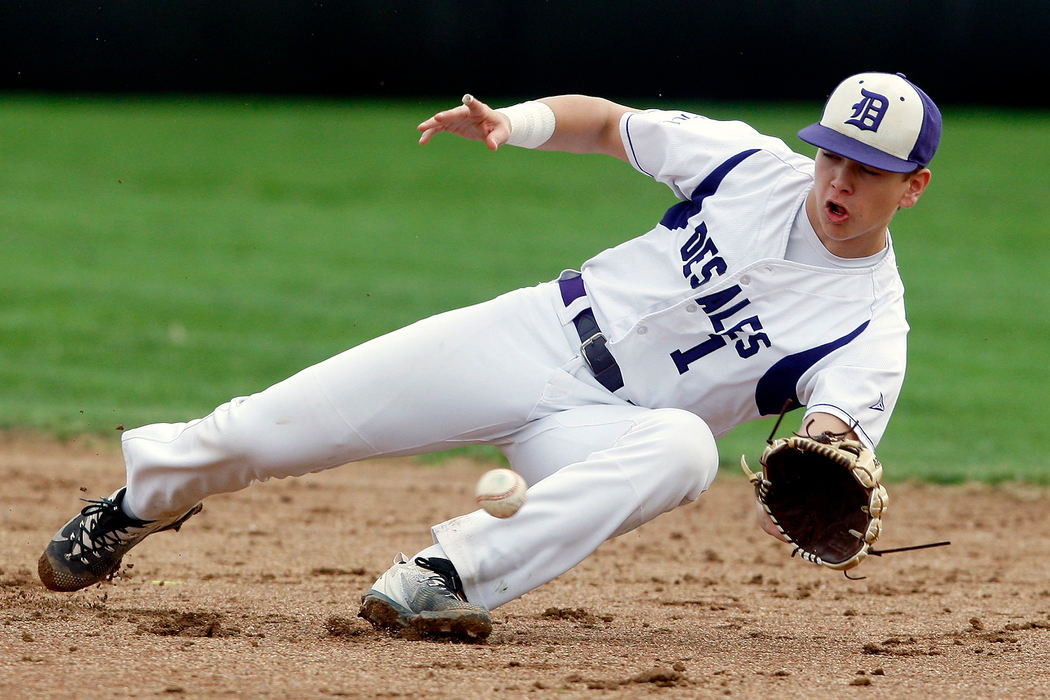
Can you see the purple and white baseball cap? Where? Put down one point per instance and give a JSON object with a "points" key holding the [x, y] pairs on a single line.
{"points": [[881, 120]]}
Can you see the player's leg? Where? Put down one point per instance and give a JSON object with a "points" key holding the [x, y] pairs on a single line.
{"points": [[632, 464], [471, 375], [467, 376]]}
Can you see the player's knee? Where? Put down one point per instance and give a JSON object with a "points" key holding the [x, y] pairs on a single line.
{"points": [[687, 449]]}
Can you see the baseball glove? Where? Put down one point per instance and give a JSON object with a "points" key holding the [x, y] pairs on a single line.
{"points": [[824, 495]]}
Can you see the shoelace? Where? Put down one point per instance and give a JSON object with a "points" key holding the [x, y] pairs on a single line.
{"points": [[445, 577], [96, 531]]}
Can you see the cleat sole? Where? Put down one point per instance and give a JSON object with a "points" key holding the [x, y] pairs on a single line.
{"points": [[66, 583], [459, 624]]}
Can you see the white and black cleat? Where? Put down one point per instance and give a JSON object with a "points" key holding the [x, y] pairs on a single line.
{"points": [[88, 549]]}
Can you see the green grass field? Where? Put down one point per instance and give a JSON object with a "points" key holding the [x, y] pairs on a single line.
{"points": [[163, 255]]}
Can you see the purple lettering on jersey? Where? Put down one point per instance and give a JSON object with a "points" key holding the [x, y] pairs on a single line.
{"points": [[718, 318], [708, 249], [716, 300], [683, 358], [751, 343], [780, 382], [745, 332], [693, 245], [701, 247], [714, 266]]}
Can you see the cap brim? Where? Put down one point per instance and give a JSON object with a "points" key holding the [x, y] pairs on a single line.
{"points": [[831, 140]]}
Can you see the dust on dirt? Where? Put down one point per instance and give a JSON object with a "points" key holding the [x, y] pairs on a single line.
{"points": [[258, 596]]}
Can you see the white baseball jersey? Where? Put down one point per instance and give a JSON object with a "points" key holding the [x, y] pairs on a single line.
{"points": [[704, 312]]}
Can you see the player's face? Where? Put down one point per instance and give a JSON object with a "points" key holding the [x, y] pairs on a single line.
{"points": [[851, 204]]}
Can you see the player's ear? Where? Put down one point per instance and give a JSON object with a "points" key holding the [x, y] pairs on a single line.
{"points": [[917, 183]]}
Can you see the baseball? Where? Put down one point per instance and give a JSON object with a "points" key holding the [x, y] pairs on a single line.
{"points": [[500, 492]]}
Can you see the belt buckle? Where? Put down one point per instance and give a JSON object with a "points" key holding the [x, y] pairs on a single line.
{"points": [[587, 343]]}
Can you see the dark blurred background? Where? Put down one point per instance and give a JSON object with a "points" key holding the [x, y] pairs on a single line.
{"points": [[979, 52]]}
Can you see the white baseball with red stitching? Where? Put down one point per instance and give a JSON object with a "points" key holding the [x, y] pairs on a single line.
{"points": [[501, 492]]}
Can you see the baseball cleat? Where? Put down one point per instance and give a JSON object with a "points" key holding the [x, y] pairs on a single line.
{"points": [[90, 546], [424, 596]]}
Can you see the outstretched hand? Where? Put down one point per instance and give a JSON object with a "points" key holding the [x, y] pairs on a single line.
{"points": [[473, 120]]}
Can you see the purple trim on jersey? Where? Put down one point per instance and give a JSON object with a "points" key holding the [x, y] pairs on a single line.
{"points": [[710, 183], [780, 382], [571, 289], [677, 216]]}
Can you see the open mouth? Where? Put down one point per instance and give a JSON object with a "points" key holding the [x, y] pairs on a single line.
{"points": [[836, 212]]}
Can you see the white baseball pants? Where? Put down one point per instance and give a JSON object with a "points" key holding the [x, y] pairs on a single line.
{"points": [[507, 372]]}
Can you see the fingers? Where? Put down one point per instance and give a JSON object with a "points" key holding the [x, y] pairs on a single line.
{"points": [[427, 135], [476, 108], [442, 121], [473, 119], [471, 109], [479, 112]]}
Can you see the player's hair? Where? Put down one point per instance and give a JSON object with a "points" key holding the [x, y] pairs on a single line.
{"points": [[914, 172]]}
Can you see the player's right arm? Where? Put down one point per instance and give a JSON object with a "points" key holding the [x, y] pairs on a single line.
{"points": [[586, 125], [582, 124]]}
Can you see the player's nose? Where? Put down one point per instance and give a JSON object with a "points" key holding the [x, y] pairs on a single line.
{"points": [[842, 178]]}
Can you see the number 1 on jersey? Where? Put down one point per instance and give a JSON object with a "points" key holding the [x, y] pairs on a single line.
{"points": [[682, 360]]}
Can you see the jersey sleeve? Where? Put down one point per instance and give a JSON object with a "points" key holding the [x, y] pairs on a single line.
{"points": [[679, 149], [860, 383]]}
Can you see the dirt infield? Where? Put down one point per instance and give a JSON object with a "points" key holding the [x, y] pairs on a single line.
{"points": [[258, 596]]}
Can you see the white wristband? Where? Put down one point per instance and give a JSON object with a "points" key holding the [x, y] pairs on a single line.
{"points": [[531, 123]]}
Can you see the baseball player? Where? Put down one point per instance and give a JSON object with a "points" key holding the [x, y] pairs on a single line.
{"points": [[771, 282]]}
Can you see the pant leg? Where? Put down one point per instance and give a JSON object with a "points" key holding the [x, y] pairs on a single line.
{"points": [[632, 464], [472, 375]]}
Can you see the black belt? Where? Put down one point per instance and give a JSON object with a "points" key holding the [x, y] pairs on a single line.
{"points": [[593, 349]]}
